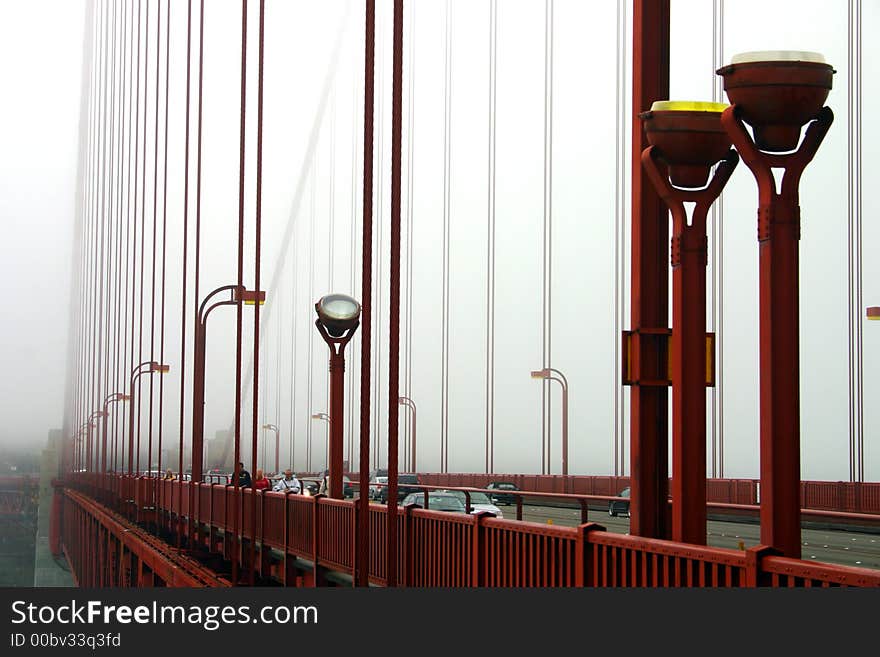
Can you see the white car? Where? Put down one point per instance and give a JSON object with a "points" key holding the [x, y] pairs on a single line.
{"points": [[479, 502]]}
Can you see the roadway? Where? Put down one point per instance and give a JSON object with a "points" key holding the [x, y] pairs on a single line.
{"points": [[847, 548]]}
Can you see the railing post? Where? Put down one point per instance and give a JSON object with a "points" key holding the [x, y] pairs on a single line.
{"points": [[317, 574], [754, 555], [408, 544], [478, 566], [584, 571]]}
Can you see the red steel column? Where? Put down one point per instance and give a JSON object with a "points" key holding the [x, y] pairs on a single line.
{"points": [[650, 233], [689, 259], [337, 424], [778, 236]]}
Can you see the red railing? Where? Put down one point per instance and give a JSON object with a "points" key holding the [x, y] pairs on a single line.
{"points": [[443, 549]]}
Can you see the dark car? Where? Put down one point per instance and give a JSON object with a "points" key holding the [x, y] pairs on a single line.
{"points": [[620, 507], [402, 489], [503, 498], [347, 487]]}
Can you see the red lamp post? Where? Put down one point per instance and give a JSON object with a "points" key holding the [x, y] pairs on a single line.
{"points": [[237, 294], [109, 399], [411, 405], [338, 319], [777, 93], [553, 374], [687, 139], [147, 367]]}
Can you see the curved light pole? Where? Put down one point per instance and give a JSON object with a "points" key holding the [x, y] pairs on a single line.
{"points": [[109, 399], [338, 319], [92, 450], [411, 405], [237, 295], [325, 417], [274, 428], [79, 452], [686, 140], [147, 367], [777, 94], [555, 375]]}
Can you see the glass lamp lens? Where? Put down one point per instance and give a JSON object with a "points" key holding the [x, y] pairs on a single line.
{"points": [[687, 106], [340, 306], [777, 56]]}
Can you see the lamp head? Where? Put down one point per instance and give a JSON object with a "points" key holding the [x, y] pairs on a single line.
{"points": [[540, 374], [338, 313], [777, 92], [250, 297], [689, 137], [873, 312]]}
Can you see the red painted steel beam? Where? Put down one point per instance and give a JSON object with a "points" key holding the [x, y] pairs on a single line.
{"points": [[363, 513], [162, 559], [649, 288]]}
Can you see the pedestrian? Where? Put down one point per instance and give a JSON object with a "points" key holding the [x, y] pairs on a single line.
{"points": [[288, 483], [260, 481], [244, 477], [169, 475]]}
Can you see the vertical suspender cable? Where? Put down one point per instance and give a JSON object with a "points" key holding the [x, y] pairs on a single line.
{"points": [[394, 291], [164, 230], [410, 144], [380, 197], [134, 306], [128, 221], [155, 211], [311, 292], [143, 233], [490, 241], [352, 260], [620, 168], [854, 239], [447, 183], [240, 280], [184, 259], [257, 236], [72, 390], [548, 222], [362, 575]]}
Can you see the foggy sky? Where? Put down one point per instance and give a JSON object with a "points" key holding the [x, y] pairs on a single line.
{"points": [[42, 47]]}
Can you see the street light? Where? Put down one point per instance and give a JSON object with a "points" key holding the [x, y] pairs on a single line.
{"points": [[147, 367], [93, 452], [325, 417], [777, 94], [411, 405], [237, 294], [686, 140], [274, 428], [548, 373], [338, 319], [109, 399]]}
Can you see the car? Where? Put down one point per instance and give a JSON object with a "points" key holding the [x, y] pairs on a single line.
{"points": [[347, 487], [437, 501], [310, 486], [503, 498], [377, 477], [620, 507], [479, 502], [402, 488]]}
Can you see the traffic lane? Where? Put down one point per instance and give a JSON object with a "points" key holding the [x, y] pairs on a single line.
{"points": [[846, 548]]}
